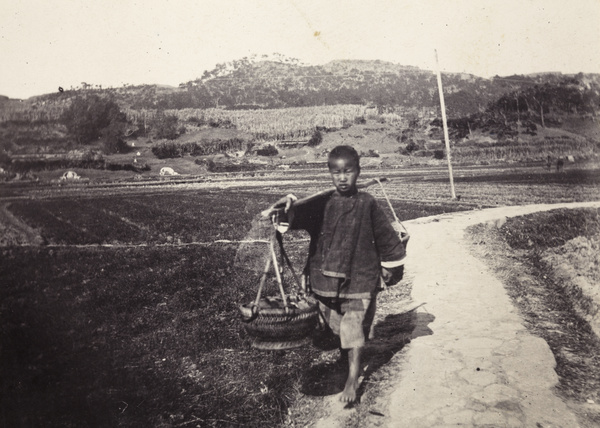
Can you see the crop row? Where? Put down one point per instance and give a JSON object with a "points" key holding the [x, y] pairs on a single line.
{"points": [[186, 216], [179, 218], [282, 124], [536, 149], [166, 218], [25, 113]]}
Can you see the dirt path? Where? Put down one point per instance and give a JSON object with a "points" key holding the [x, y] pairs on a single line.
{"points": [[471, 361]]}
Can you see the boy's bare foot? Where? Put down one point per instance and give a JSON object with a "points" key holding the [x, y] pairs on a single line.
{"points": [[349, 393]]}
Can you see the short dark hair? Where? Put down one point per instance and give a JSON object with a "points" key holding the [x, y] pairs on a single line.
{"points": [[343, 152]]}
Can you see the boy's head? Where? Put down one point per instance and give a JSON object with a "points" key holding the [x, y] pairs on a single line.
{"points": [[344, 167]]}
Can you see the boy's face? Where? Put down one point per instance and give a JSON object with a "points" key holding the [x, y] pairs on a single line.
{"points": [[344, 173]]}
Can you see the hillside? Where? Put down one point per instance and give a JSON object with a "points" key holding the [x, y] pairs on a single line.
{"points": [[251, 84], [269, 110], [270, 84]]}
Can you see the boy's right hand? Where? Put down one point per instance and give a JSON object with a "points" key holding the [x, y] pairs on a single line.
{"points": [[286, 202], [392, 276], [289, 200]]}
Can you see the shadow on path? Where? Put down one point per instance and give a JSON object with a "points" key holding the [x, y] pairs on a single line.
{"points": [[389, 337]]}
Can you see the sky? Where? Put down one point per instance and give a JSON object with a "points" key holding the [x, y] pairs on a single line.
{"points": [[46, 44]]}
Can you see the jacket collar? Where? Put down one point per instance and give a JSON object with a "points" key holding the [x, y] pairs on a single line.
{"points": [[351, 195]]}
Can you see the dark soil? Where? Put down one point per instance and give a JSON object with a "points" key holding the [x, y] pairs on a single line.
{"points": [[145, 335]]}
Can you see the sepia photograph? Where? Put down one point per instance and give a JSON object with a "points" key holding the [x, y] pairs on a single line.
{"points": [[300, 213]]}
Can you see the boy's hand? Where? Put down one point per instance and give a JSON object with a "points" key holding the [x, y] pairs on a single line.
{"points": [[286, 202], [392, 276], [289, 201]]}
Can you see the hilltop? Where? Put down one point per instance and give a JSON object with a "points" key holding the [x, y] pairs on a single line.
{"points": [[283, 83]]}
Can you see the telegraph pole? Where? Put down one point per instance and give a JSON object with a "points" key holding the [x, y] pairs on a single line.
{"points": [[446, 137]]}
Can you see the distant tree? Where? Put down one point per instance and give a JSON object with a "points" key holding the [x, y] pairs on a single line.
{"points": [[112, 136], [165, 126], [87, 118], [5, 159], [412, 147], [316, 138], [438, 154], [268, 150]]}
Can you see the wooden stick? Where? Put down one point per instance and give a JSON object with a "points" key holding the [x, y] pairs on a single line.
{"points": [[262, 283], [279, 281], [279, 206]]}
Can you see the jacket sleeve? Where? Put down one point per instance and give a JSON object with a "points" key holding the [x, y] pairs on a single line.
{"points": [[390, 248], [308, 216]]}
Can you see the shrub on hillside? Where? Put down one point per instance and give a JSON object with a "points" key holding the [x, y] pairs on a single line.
{"points": [[167, 150], [316, 138], [195, 120], [438, 154], [220, 123], [268, 150], [165, 126], [530, 128], [5, 159], [327, 128], [411, 147], [112, 137], [127, 167], [28, 165], [171, 149], [212, 166], [370, 154], [87, 118]]}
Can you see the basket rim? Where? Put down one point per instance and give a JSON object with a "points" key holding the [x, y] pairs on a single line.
{"points": [[247, 310]]}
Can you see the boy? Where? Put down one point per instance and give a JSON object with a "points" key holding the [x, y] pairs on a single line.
{"points": [[352, 246]]}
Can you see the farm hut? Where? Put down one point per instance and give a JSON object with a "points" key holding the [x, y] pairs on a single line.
{"points": [[70, 175], [167, 171]]}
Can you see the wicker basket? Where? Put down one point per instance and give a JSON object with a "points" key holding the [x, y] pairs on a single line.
{"points": [[282, 322], [274, 326]]}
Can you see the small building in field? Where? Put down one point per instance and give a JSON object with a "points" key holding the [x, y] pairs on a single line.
{"points": [[70, 175], [168, 171]]}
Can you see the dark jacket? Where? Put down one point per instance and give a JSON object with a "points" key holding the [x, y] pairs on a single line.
{"points": [[350, 238]]}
